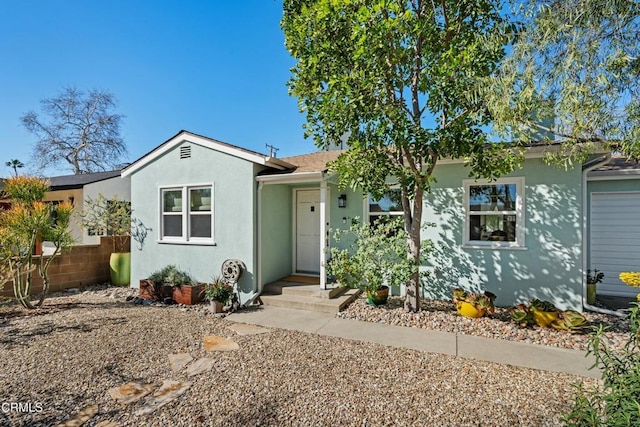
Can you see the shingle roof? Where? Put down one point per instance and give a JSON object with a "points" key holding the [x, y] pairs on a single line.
{"points": [[313, 162], [68, 182], [619, 163]]}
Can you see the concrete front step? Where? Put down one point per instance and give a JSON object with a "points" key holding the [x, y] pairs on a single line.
{"points": [[304, 290], [311, 303]]}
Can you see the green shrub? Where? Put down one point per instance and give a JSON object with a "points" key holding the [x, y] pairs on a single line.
{"points": [[617, 402], [375, 255], [170, 275]]}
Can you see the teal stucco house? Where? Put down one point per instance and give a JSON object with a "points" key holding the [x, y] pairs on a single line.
{"points": [[526, 235]]}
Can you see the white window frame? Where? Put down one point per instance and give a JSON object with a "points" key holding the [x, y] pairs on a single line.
{"points": [[519, 213], [370, 214], [186, 213]]}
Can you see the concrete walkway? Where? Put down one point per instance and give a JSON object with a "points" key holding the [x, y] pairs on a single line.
{"points": [[491, 350]]}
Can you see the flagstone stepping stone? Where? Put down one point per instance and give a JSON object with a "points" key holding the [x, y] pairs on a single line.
{"points": [[245, 329], [82, 417], [199, 366], [130, 392], [213, 343], [107, 423], [179, 361], [169, 391]]}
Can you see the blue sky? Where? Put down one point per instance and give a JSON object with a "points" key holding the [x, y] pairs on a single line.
{"points": [[217, 68]]}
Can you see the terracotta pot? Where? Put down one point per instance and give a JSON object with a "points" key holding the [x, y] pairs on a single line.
{"points": [[188, 295], [378, 297], [469, 310], [155, 291], [216, 307]]}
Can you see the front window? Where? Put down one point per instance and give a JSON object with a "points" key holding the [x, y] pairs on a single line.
{"points": [[389, 206], [494, 212], [187, 214]]}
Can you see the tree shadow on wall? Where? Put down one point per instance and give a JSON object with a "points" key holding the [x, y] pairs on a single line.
{"points": [[550, 266]]}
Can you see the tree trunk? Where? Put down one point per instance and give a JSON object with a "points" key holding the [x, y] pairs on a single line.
{"points": [[412, 297]]}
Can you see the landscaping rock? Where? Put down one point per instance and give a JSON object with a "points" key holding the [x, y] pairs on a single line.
{"points": [[199, 366], [82, 417], [214, 343], [169, 391], [179, 361], [130, 392], [245, 329]]}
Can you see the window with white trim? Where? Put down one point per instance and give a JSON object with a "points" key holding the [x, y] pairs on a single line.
{"points": [[186, 214], [388, 206], [494, 212]]}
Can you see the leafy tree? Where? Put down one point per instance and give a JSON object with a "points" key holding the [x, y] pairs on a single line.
{"points": [[15, 164], [573, 73], [80, 131], [21, 227], [402, 81]]}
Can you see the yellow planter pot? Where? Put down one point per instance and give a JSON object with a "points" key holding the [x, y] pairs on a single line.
{"points": [[544, 318], [469, 310]]}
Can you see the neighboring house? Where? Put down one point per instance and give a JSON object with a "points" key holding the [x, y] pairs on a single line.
{"points": [[203, 201], [77, 188], [613, 203]]}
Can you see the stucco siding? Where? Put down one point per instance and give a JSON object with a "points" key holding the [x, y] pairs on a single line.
{"points": [[233, 205], [549, 266], [277, 229], [341, 218]]}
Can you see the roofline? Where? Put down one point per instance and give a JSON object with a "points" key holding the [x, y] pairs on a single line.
{"points": [[291, 178], [607, 175], [531, 152], [206, 142]]}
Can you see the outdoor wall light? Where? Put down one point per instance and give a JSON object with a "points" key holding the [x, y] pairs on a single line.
{"points": [[342, 201]]}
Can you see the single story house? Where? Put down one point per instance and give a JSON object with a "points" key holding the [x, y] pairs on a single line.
{"points": [[77, 188], [205, 201]]}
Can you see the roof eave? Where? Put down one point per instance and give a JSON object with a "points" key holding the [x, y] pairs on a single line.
{"points": [[291, 178], [207, 143]]}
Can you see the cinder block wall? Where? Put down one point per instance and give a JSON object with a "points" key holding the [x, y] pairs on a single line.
{"points": [[81, 266]]}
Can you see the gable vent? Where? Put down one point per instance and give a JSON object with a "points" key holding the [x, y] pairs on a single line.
{"points": [[185, 152]]}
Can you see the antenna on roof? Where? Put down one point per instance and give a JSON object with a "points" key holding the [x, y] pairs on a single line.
{"points": [[273, 151]]}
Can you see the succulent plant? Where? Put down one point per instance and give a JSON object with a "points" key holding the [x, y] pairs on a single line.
{"points": [[538, 305], [483, 302], [572, 321], [522, 315], [537, 312]]}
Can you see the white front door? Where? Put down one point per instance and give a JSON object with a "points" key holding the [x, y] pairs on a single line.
{"points": [[308, 231]]}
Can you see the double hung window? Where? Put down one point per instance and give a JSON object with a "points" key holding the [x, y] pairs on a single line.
{"points": [[389, 206], [187, 214], [494, 212]]}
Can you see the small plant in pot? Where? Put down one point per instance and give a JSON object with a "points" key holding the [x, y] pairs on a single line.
{"points": [[219, 293], [473, 305], [545, 314], [593, 278], [171, 284], [371, 257]]}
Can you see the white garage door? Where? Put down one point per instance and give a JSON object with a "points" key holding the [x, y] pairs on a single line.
{"points": [[615, 239]]}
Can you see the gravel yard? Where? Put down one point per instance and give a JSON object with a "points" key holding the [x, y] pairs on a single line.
{"points": [[65, 357], [441, 316]]}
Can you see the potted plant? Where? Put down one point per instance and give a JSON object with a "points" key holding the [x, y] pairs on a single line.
{"points": [[593, 278], [111, 218], [473, 305], [374, 257], [219, 293], [544, 313], [169, 283]]}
